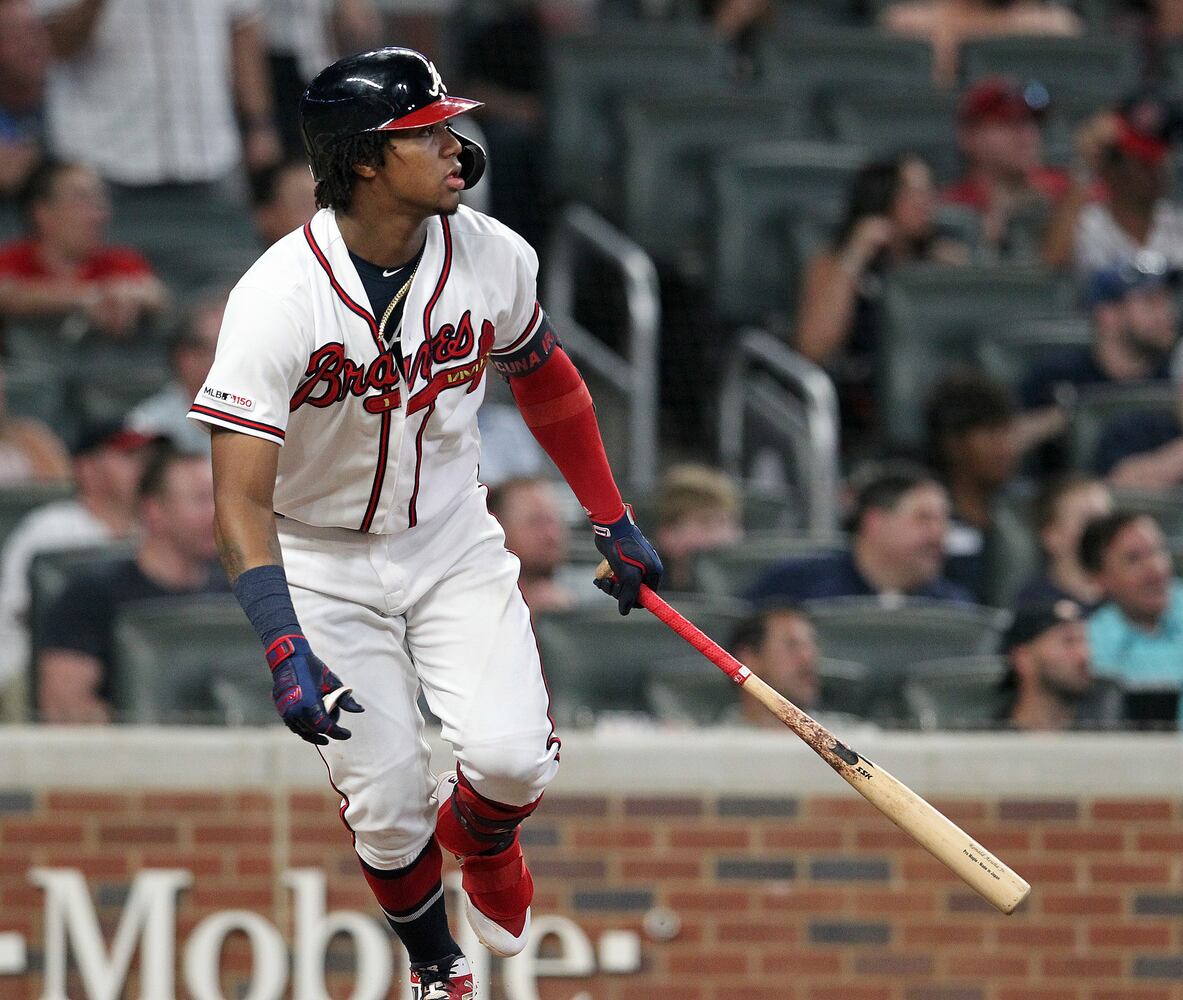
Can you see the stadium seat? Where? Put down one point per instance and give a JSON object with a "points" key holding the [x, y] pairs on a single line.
{"points": [[108, 393], [889, 636], [731, 571], [49, 574], [37, 389], [1165, 506], [932, 319], [1102, 67], [961, 692], [1096, 405], [886, 120], [589, 74], [190, 660], [758, 189], [690, 693], [17, 501], [1010, 350], [817, 59], [601, 664], [1012, 550], [669, 141]]}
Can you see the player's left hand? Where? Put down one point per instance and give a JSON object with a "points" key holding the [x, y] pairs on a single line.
{"points": [[633, 560], [299, 682]]}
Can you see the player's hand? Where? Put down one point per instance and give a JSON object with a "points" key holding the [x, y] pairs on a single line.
{"points": [[299, 682], [633, 560]]}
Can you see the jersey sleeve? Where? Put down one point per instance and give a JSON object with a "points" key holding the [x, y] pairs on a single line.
{"points": [[262, 354], [521, 313]]}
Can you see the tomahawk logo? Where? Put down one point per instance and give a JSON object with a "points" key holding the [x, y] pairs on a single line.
{"points": [[148, 924]]}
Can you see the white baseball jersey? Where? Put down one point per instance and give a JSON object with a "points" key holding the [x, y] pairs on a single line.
{"points": [[299, 362]]}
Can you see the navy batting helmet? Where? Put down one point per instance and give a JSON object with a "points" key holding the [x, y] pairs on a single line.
{"points": [[381, 91]]}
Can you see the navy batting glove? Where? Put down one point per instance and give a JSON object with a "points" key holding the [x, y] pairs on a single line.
{"points": [[299, 682], [633, 560]]}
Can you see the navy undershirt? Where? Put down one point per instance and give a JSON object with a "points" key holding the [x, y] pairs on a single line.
{"points": [[382, 285]]}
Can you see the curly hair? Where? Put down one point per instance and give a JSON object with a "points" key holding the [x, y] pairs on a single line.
{"points": [[335, 188]]}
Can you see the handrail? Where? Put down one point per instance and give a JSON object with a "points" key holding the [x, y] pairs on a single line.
{"points": [[814, 390], [634, 374]]}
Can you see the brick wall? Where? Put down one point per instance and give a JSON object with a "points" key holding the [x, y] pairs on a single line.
{"points": [[806, 897]]}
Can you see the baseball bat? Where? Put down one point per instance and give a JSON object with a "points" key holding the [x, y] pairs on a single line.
{"points": [[930, 828]]}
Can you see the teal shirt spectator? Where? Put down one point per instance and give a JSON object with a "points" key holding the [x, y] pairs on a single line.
{"points": [[1135, 657]]}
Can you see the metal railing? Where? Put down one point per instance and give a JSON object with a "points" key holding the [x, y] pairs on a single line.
{"points": [[797, 410], [633, 374]]}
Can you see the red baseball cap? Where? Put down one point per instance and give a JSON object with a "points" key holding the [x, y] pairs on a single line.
{"points": [[1001, 99], [1146, 124]]}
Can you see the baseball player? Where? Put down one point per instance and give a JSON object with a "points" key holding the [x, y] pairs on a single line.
{"points": [[343, 400]]}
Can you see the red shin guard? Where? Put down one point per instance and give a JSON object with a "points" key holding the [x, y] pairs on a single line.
{"points": [[500, 886], [405, 890]]}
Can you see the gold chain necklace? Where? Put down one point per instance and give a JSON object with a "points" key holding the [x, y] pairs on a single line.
{"points": [[398, 297]]}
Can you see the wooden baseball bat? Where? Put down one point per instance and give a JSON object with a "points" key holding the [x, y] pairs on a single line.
{"points": [[931, 829]]}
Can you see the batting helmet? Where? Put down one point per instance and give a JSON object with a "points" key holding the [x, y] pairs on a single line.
{"points": [[380, 91]]}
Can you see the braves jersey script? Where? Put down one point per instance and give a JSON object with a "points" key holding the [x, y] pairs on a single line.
{"points": [[299, 362]]}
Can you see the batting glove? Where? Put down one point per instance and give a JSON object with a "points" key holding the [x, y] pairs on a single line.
{"points": [[633, 560], [299, 682]]}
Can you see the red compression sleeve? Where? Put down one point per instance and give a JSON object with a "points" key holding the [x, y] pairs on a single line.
{"points": [[557, 408]]}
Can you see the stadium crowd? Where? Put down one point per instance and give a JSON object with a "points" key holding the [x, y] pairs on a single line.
{"points": [[1018, 505]]}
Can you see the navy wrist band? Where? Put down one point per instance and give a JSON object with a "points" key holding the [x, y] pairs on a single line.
{"points": [[264, 596]]}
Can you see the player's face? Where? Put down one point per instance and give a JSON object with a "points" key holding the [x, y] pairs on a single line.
{"points": [[422, 169]]}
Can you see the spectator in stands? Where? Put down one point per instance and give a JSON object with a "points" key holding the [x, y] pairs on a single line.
{"points": [[1137, 634], [303, 37], [29, 451], [898, 526], [1065, 505], [536, 533], [176, 558], [284, 198], [779, 645], [24, 60], [1143, 449], [108, 462], [999, 135], [949, 23], [698, 508], [1135, 327], [64, 269], [889, 222], [1128, 150], [1049, 678], [190, 354], [185, 70], [974, 445]]}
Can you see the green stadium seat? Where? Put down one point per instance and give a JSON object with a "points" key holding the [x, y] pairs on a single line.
{"points": [[1096, 405], [669, 142], [37, 389], [961, 692], [1098, 66], [109, 393], [683, 692], [731, 571], [601, 664], [190, 660], [1009, 351], [932, 319], [1012, 550], [17, 501], [889, 637], [589, 74], [818, 59], [759, 189], [1165, 506]]}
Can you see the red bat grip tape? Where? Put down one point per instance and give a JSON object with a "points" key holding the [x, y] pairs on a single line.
{"points": [[694, 635]]}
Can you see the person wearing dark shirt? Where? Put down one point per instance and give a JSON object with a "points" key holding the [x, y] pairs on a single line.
{"points": [[974, 443], [899, 523], [1135, 322], [1064, 506], [176, 558]]}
